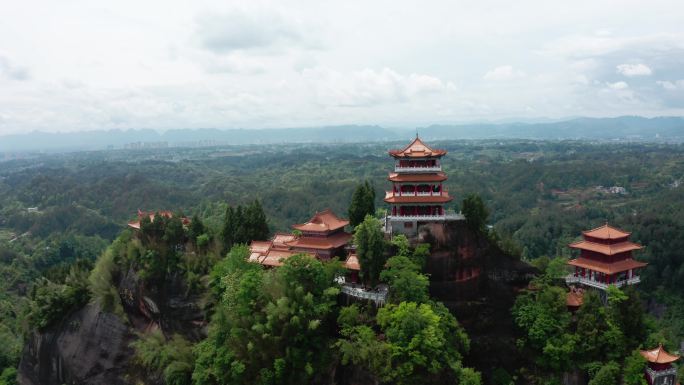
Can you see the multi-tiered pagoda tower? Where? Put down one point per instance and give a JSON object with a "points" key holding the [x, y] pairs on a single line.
{"points": [[605, 259], [659, 370], [417, 192]]}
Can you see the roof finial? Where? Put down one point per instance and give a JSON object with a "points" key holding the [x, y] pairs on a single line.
{"points": [[416, 132]]}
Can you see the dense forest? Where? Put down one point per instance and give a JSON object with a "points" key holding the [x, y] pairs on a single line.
{"points": [[62, 233]]}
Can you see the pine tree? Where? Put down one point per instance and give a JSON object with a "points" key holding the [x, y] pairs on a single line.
{"points": [[475, 212], [362, 203], [255, 222], [229, 229]]}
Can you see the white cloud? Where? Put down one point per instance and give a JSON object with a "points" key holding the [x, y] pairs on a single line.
{"points": [[262, 63], [618, 85], [630, 70], [505, 72], [238, 29], [369, 87], [11, 71], [671, 85]]}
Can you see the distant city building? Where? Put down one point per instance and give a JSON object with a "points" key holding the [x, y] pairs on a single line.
{"points": [[659, 370], [145, 145], [417, 195], [612, 190], [605, 259]]}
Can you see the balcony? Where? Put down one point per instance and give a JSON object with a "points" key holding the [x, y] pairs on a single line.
{"points": [[653, 374], [378, 296], [570, 279], [421, 193], [426, 218], [418, 169]]}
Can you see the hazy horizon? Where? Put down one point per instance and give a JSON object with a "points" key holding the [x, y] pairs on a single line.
{"points": [[76, 66]]}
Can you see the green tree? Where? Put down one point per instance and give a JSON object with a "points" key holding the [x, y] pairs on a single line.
{"points": [[609, 374], [405, 281], [599, 338], [362, 203], [633, 369], [370, 247], [545, 321], [475, 212], [255, 223], [196, 229], [420, 343], [626, 311]]}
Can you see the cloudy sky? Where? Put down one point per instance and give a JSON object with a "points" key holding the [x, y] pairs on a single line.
{"points": [[82, 65]]}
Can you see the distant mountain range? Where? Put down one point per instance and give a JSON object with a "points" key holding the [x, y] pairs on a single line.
{"points": [[626, 128]]}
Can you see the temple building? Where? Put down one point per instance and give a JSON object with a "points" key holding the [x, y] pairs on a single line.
{"points": [[418, 194], [151, 214], [322, 236], [605, 259], [659, 370]]}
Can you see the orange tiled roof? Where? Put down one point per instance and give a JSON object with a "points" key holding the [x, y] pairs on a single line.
{"points": [[612, 249], [434, 177], [151, 215], [280, 240], [322, 243], [352, 263], [260, 246], [606, 232], [322, 221], [607, 268], [390, 197], [416, 149], [659, 355]]}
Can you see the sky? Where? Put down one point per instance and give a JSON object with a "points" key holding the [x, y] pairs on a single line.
{"points": [[75, 65]]}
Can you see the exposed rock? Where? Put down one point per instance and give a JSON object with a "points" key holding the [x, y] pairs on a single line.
{"points": [[87, 347], [478, 282]]}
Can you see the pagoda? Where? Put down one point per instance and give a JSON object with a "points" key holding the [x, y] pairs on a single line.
{"points": [[322, 236], [417, 194], [659, 370], [605, 259]]}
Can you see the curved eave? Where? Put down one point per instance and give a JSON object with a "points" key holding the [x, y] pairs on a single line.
{"points": [[437, 177], [612, 249], [398, 154]]}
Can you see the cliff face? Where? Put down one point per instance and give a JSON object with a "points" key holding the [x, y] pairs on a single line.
{"points": [[87, 347], [91, 346], [478, 282]]}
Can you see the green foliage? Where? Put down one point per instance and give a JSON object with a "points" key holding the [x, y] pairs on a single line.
{"points": [[543, 317], [405, 281], [362, 203], [475, 212], [418, 341], [102, 284], [609, 374], [469, 376], [270, 326], [172, 360], [8, 376], [370, 249], [633, 372], [600, 338], [244, 224], [50, 301]]}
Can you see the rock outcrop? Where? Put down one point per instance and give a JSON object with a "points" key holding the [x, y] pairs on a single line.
{"points": [[91, 346], [478, 282], [88, 347]]}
